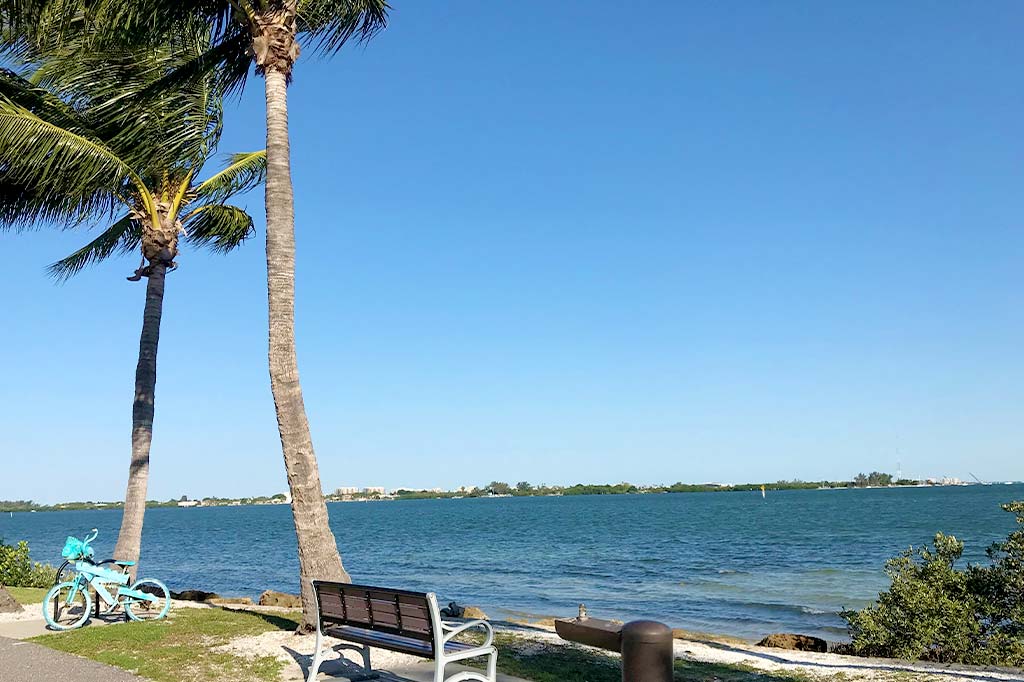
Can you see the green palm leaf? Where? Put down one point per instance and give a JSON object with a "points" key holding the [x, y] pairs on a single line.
{"points": [[81, 175], [121, 237], [246, 171], [219, 227], [147, 124], [41, 102], [225, 66], [323, 26], [328, 25]]}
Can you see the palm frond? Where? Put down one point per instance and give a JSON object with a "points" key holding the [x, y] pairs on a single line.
{"points": [[148, 126], [25, 207], [218, 227], [323, 25], [122, 237], [42, 103], [225, 66], [328, 24], [246, 171], [52, 173], [149, 20]]}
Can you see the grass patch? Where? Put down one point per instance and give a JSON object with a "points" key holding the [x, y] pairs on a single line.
{"points": [[692, 671], [177, 649], [26, 596]]}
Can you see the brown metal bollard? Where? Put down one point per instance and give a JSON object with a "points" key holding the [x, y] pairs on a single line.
{"points": [[647, 654]]}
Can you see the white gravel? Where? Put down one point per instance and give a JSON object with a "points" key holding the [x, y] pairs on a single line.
{"points": [[296, 652], [31, 612], [830, 665]]}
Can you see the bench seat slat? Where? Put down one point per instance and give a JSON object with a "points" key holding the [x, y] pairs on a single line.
{"points": [[394, 612], [416, 625], [406, 645], [413, 610], [409, 623]]}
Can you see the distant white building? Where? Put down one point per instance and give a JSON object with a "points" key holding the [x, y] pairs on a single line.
{"points": [[375, 490], [346, 490]]}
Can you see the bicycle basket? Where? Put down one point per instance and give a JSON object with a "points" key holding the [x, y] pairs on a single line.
{"points": [[75, 549]]}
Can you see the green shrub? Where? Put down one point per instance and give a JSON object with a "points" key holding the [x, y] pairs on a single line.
{"points": [[934, 611], [1000, 592], [18, 570]]}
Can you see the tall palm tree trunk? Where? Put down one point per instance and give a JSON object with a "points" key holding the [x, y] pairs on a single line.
{"points": [[318, 550], [129, 539]]}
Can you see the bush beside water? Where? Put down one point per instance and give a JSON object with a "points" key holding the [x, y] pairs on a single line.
{"points": [[934, 611], [18, 570]]}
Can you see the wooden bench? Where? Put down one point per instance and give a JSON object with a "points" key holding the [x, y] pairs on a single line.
{"points": [[397, 620]]}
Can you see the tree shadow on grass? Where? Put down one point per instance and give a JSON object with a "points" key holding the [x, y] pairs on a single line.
{"points": [[280, 621]]}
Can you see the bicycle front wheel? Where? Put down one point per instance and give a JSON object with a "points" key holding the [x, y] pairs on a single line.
{"points": [[144, 609], [67, 605]]}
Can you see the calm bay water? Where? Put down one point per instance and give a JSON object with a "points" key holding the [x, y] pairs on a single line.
{"points": [[721, 562]]}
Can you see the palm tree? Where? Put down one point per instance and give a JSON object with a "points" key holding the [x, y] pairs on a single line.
{"points": [[269, 33], [76, 151]]}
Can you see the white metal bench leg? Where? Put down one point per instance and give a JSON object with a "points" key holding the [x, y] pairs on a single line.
{"points": [[318, 658], [468, 676]]}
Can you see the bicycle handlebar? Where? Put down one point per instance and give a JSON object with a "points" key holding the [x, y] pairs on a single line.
{"points": [[93, 534]]}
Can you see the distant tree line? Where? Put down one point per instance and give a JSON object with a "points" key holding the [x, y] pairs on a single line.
{"points": [[527, 489], [495, 488]]}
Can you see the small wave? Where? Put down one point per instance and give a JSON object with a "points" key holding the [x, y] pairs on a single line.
{"points": [[710, 586], [816, 612], [739, 605]]}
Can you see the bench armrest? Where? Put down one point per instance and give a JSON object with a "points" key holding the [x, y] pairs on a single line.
{"points": [[453, 629]]}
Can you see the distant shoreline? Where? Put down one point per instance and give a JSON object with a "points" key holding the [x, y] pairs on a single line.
{"points": [[22, 507]]}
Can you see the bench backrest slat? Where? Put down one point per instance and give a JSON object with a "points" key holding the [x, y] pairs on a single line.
{"points": [[397, 612]]}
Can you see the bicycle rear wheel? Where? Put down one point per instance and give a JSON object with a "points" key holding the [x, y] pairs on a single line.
{"points": [[139, 609], [67, 605]]}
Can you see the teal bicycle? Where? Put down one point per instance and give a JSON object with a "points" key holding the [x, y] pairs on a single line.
{"points": [[68, 604]]}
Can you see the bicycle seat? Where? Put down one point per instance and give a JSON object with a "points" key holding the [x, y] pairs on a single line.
{"points": [[124, 563]]}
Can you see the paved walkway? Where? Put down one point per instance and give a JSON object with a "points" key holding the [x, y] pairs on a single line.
{"points": [[33, 627], [27, 662]]}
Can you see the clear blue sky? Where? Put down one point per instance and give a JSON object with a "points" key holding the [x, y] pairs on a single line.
{"points": [[580, 241]]}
